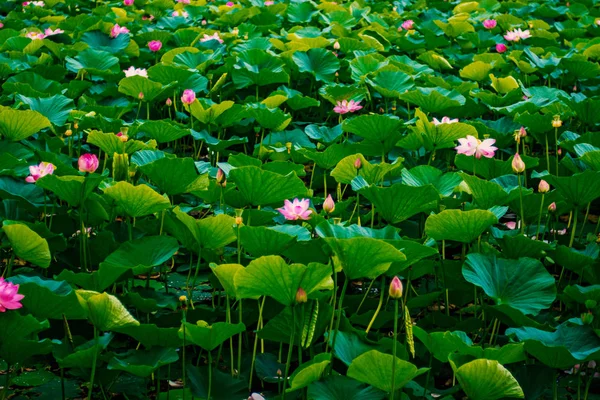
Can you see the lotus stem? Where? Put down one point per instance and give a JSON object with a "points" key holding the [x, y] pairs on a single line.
{"points": [[587, 213], [260, 310], [228, 317], [537, 232], [574, 227], [556, 144], [290, 350], [210, 370], [427, 377], [446, 294], [381, 292], [94, 362], [339, 314], [365, 296], [239, 364], [394, 345], [7, 384], [521, 203]]}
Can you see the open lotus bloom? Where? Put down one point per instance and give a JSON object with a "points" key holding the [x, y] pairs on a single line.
{"points": [[37, 171], [50, 32], [133, 71], [214, 36], [470, 146], [117, 30], [346, 106], [516, 35], [296, 209], [445, 120], [10, 299]]}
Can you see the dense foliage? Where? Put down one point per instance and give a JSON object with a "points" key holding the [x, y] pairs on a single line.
{"points": [[299, 199]]}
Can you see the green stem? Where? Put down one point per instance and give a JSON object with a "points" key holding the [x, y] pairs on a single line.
{"points": [[289, 356], [587, 213], [94, 362], [260, 310], [339, 314], [381, 292], [574, 227], [556, 144], [365, 296], [521, 202], [210, 372], [427, 377], [394, 345], [228, 317], [547, 154], [537, 232], [7, 383], [239, 363], [446, 294], [555, 387]]}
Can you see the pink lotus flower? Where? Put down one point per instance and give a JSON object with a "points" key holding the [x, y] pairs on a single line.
{"points": [[269, 3], [501, 48], [204, 22], [1, 25], [329, 205], [214, 36], [88, 163], [396, 288], [511, 225], [408, 24], [155, 45], [256, 396], [122, 137], [147, 17], [9, 297], [35, 35], [490, 23], [229, 4], [128, 3], [472, 146], [188, 96], [445, 120], [552, 207], [298, 209], [37, 171], [50, 32], [518, 166], [516, 35], [180, 13], [117, 30], [184, 1], [34, 3], [543, 187], [133, 71], [346, 106]]}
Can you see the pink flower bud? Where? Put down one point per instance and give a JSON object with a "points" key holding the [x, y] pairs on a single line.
{"points": [[154, 45], [552, 207], [141, 96], [169, 102], [489, 23], [357, 163], [336, 45], [329, 205], [501, 48], [128, 3], [543, 187], [220, 176], [301, 296], [408, 25], [396, 288], [88, 163], [522, 132], [188, 96], [518, 165]]}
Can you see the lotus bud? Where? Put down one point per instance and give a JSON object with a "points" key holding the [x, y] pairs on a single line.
{"points": [[141, 96], [301, 296], [68, 132], [556, 122], [543, 187], [235, 31], [522, 132], [587, 318], [122, 137], [169, 102], [518, 166], [396, 288], [183, 299], [203, 22], [552, 207], [220, 176], [288, 146], [357, 163], [329, 205], [501, 48], [188, 97], [336, 45], [239, 221], [88, 163], [279, 373]]}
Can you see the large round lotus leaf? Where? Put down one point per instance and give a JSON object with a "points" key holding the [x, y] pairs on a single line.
{"points": [[135, 85], [208, 114], [259, 187], [458, 225], [435, 100], [345, 171], [18, 124], [309, 372], [400, 202], [210, 233], [487, 380], [363, 257], [381, 129], [257, 67], [524, 284], [143, 362], [391, 83], [55, 108], [225, 273], [27, 244], [105, 311], [375, 369], [423, 175], [578, 189], [111, 144], [136, 201], [263, 241], [162, 131], [338, 387], [563, 348], [339, 231], [175, 175], [71, 188], [320, 63], [209, 337], [18, 337], [272, 276]]}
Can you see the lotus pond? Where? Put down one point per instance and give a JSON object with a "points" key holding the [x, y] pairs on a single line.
{"points": [[299, 199]]}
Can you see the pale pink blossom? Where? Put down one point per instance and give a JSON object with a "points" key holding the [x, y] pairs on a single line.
{"points": [[10, 299], [560, 232], [117, 30], [329, 205], [184, 1], [180, 13], [204, 22], [1, 25], [501, 48], [269, 3], [490, 23], [147, 17], [128, 3], [37, 171], [214, 36], [154, 45], [88, 163], [188, 96], [298, 209], [470, 146], [50, 32], [408, 24], [35, 35], [256, 396], [511, 225], [445, 120], [346, 106], [34, 3], [516, 35], [133, 71]]}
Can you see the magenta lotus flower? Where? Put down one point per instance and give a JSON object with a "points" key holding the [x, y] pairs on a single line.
{"points": [[516, 35], [229, 4], [133, 71], [50, 32], [147, 17], [298, 209], [34, 3], [188, 96], [501, 48], [1, 25], [10, 299], [154, 45], [346, 106], [117, 30], [214, 36], [470, 146], [408, 24], [269, 3], [445, 120], [35, 35], [128, 3], [37, 171], [184, 1], [88, 163], [490, 23]]}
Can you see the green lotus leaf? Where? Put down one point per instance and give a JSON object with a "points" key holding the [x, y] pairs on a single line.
{"points": [[363, 257], [111, 144], [488, 194], [151, 335], [476, 71], [262, 241], [461, 226], [504, 85], [582, 294], [136, 201], [435, 100], [391, 83], [381, 130], [225, 273], [175, 175], [424, 175], [210, 233], [98, 40], [327, 229], [487, 380], [272, 276], [143, 362], [135, 86], [339, 387], [55, 108], [17, 125], [82, 356], [309, 372], [27, 244], [71, 188], [345, 171], [442, 344], [105, 311], [183, 78], [209, 337], [348, 346], [320, 63], [578, 189], [400, 202], [375, 369], [18, 337], [523, 284], [259, 187], [208, 114], [162, 131], [94, 62], [257, 67]]}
